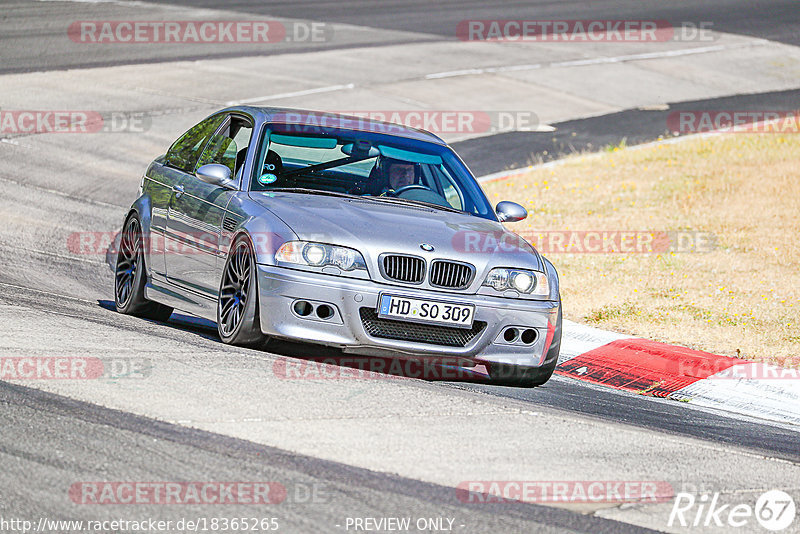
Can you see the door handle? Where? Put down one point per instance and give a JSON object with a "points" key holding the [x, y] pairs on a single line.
{"points": [[178, 190]]}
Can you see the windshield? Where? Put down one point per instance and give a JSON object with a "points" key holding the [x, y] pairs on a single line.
{"points": [[375, 167]]}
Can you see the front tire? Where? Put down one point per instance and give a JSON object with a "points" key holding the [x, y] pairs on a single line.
{"points": [[237, 303], [130, 276]]}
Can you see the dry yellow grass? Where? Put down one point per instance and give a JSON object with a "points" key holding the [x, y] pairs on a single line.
{"points": [[740, 299]]}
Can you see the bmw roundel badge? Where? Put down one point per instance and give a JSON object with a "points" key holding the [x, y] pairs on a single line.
{"points": [[426, 247]]}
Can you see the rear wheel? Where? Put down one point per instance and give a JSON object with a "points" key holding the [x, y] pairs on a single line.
{"points": [[130, 276], [237, 304], [503, 374]]}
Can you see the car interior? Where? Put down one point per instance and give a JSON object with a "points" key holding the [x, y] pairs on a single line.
{"points": [[229, 145], [342, 168]]}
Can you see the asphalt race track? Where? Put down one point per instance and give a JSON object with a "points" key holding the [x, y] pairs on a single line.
{"points": [[33, 34], [389, 447], [132, 447]]}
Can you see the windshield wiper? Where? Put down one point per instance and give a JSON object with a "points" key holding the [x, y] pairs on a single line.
{"points": [[307, 191], [417, 203], [391, 200]]}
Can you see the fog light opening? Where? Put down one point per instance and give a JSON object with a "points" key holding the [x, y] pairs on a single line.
{"points": [[510, 335], [303, 308], [324, 311], [528, 336]]}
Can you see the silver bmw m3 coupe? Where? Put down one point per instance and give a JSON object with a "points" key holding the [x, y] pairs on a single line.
{"points": [[334, 230]]}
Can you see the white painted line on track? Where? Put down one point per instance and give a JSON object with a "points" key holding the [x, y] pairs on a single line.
{"points": [[517, 68], [453, 73], [126, 3], [64, 195], [647, 55], [317, 90], [55, 255], [48, 293], [123, 2], [592, 155], [595, 61], [501, 175], [489, 70]]}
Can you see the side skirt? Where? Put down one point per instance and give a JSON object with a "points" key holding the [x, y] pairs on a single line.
{"points": [[160, 290]]}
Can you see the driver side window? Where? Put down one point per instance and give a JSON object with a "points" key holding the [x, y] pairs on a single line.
{"points": [[229, 146], [184, 152]]}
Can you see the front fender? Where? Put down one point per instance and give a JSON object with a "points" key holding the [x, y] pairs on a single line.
{"points": [[552, 278], [266, 231]]}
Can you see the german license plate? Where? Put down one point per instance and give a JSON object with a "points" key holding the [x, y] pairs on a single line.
{"points": [[426, 311]]}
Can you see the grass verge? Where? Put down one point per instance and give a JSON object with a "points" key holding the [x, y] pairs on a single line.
{"points": [[740, 297]]}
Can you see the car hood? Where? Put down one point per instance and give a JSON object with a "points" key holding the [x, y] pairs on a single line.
{"points": [[374, 227]]}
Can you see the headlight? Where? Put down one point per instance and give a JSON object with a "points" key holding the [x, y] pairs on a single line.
{"points": [[526, 282], [315, 254], [320, 255]]}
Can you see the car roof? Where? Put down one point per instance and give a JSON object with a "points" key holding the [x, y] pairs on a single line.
{"points": [[337, 121]]}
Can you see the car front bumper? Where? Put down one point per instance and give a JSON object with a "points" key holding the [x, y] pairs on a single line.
{"points": [[347, 328]]}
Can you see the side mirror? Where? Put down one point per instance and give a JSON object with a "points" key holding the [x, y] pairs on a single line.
{"points": [[510, 211], [216, 174]]}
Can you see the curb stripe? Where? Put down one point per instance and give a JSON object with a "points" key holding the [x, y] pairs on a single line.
{"points": [[647, 367], [678, 373]]}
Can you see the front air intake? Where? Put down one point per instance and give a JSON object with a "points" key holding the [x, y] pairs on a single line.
{"points": [[400, 268], [418, 333], [451, 274]]}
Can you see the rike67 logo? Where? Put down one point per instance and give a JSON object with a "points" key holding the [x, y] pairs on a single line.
{"points": [[774, 510]]}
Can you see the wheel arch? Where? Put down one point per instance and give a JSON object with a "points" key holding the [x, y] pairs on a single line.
{"points": [[142, 209], [266, 233]]}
